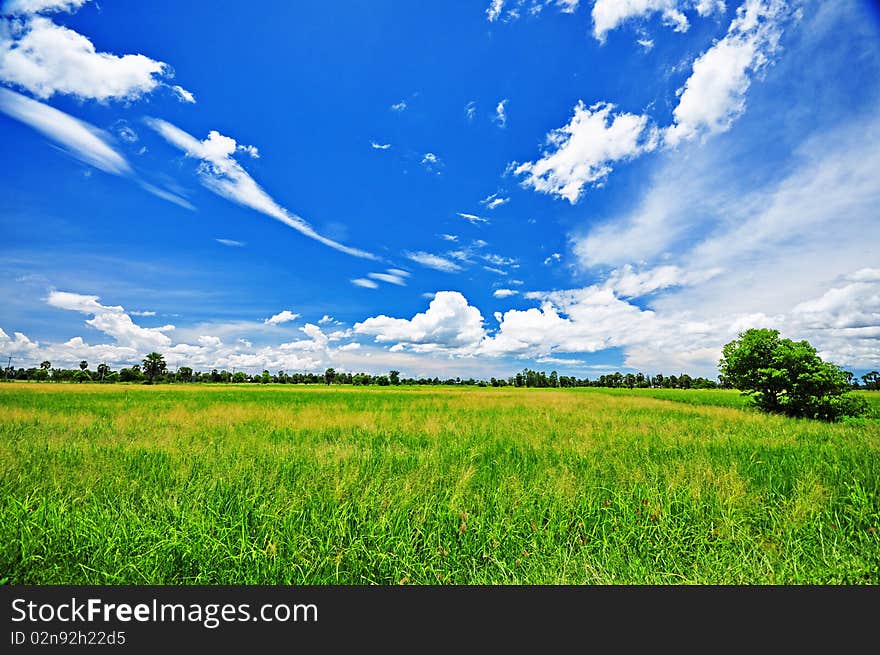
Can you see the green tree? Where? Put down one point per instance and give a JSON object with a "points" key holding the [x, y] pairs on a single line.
{"points": [[185, 374], [102, 370], [154, 366], [46, 365], [787, 377], [329, 375], [83, 365], [871, 380], [394, 377]]}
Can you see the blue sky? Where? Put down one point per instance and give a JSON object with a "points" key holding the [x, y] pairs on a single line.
{"points": [[450, 188]]}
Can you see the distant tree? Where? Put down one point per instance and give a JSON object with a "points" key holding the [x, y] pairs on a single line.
{"points": [[871, 380], [82, 375], [83, 365], [102, 370], [46, 365], [185, 374], [394, 377], [238, 377], [329, 376], [154, 366], [787, 377]]}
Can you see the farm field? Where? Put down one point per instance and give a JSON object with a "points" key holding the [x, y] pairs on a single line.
{"points": [[284, 484]]}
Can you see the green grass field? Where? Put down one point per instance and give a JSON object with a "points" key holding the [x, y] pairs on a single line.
{"points": [[200, 484]]}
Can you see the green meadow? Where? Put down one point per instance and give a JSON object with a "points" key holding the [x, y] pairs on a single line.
{"points": [[265, 484]]}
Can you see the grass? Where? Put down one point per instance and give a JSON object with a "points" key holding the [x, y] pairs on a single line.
{"points": [[269, 484]]}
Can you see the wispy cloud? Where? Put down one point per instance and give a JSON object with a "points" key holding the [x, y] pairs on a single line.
{"points": [[399, 106], [79, 139], [379, 146], [470, 110], [501, 113], [390, 278], [231, 243], [433, 261], [223, 175], [365, 283], [493, 201], [473, 218], [432, 162]]}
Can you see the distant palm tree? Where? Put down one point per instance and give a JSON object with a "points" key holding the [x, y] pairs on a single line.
{"points": [[83, 365], [46, 365]]}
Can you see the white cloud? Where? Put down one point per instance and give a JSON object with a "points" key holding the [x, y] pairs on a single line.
{"points": [[81, 140], [379, 146], [145, 313], [501, 113], [610, 14], [568, 6], [365, 283], [449, 323], [399, 106], [470, 110], [251, 151], [647, 44], [492, 269], [281, 317], [554, 257], [714, 94], [433, 261], [220, 173], [113, 321], [582, 152], [498, 260], [432, 162], [20, 7], [504, 293], [473, 218], [449, 237], [390, 278], [231, 242], [183, 94], [127, 134], [627, 282], [493, 201], [494, 10], [46, 59]]}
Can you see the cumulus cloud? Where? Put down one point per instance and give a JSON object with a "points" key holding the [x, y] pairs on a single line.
{"points": [[583, 152], [449, 323], [46, 58], [609, 14], [714, 94], [431, 260], [504, 293], [20, 7], [113, 321], [281, 317], [182, 94], [223, 175]]}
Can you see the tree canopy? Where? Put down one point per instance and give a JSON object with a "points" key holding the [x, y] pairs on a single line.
{"points": [[787, 377]]}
